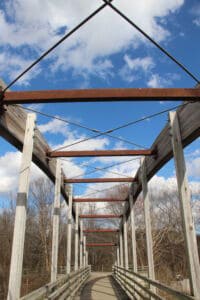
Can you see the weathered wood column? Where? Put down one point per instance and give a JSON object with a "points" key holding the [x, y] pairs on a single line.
{"points": [[81, 244], [76, 237], [185, 206], [121, 249], [84, 251], [86, 258], [20, 213], [69, 230], [56, 223], [149, 240], [118, 256], [133, 235], [125, 242]]}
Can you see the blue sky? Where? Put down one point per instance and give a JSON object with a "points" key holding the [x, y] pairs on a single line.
{"points": [[107, 52]]}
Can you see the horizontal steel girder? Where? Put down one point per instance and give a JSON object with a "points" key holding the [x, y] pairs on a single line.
{"points": [[80, 200], [101, 244], [99, 180], [94, 153], [97, 95], [99, 216], [100, 230]]}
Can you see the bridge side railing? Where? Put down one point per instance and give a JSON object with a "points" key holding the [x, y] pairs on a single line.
{"points": [[63, 288], [140, 287]]}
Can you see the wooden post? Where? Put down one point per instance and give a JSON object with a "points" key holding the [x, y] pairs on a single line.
{"points": [[133, 235], [56, 221], [118, 256], [76, 238], [125, 242], [81, 244], [20, 213], [84, 251], [86, 258], [69, 230], [121, 249], [185, 207], [149, 240]]}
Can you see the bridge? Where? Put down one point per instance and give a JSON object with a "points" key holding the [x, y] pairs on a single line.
{"points": [[78, 280], [19, 128]]}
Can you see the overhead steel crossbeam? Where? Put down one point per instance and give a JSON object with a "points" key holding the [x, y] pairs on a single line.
{"points": [[100, 216], [94, 153], [101, 95], [82, 200], [101, 244], [100, 230], [99, 180]]}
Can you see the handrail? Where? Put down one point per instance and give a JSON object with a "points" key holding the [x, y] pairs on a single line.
{"points": [[126, 277], [65, 286]]}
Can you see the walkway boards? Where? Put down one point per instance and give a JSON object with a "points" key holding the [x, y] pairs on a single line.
{"points": [[101, 286]]}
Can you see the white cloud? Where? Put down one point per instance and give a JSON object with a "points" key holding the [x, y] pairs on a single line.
{"points": [[14, 64], [39, 24], [196, 12], [9, 171], [193, 167], [133, 67], [54, 126], [156, 81]]}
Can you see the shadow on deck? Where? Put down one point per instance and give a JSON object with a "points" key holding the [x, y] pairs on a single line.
{"points": [[101, 286]]}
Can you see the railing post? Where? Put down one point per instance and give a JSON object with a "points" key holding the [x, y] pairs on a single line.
{"points": [[118, 256], [56, 221], [121, 249], [20, 213], [81, 243], [133, 235], [84, 251], [149, 240], [125, 242], [185, 206], [76, 238], [69, 231]]}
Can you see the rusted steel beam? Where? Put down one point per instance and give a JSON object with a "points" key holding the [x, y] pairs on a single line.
{"points": [[100, 230], [99, 216], [97, 95], [99, 180], [101, 244], [86, 153], [97, 200]]}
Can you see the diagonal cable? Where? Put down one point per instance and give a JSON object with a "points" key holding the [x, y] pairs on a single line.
{"points": [[186, 70], [56, 45]]}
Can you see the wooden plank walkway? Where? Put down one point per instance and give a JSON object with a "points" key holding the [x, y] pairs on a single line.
{"points": [[101, 286]]}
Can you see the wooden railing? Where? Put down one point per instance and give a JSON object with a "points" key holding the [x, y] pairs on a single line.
{"points": [[64, 288], [140, 287]]}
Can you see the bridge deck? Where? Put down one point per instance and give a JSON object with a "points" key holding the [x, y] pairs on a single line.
{"points": [[101, 286]]}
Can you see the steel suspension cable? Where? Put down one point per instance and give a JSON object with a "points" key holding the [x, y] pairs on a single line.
{"points": [[186, 70], [83, 127], [56, 45]]}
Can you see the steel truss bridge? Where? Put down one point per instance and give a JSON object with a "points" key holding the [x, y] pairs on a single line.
{"points": [[19, 129]]}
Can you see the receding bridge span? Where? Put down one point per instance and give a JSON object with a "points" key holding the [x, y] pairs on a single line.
{"points": [[20, 130]]}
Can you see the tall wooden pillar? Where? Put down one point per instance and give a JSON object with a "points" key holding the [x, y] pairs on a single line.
{"points": [[69, 230], [121, 249], [125, 242], [118, 264], [81, 244], [149, 240], [84, 251], [185, 206], [76, 238], [20, 213], [56, 221], [133, 235]]}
